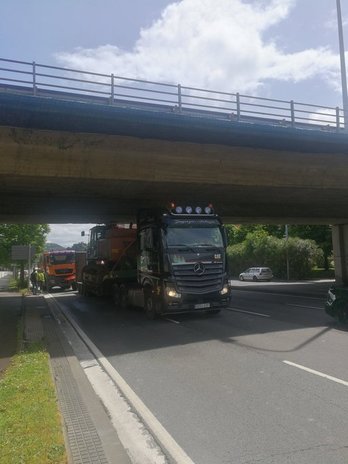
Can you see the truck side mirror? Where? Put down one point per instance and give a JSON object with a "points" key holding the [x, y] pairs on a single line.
{"points": [[224, 237]]}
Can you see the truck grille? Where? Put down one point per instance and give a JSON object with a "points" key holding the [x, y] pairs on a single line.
{"points": [[189, 281], [64, 271]]}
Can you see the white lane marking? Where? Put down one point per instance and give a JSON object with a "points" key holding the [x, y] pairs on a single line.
{"points": [[166, 441], [320, 374], [302, 306], [247, 312], [171, 320]]}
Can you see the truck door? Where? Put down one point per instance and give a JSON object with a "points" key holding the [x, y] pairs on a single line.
{"points": [[149, 251]]}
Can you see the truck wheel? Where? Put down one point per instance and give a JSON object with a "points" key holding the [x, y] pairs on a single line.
{"points": [[120, 297], [116, 296], [150, 307], [123, 297], [342, 314]]}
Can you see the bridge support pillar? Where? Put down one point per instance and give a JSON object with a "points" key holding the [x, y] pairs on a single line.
{"points": [[340, 251]]}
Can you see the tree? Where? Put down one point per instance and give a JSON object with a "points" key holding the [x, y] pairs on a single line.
{"points": [[81, 246], [53, 247], [21, 234], [321, 234], [237, 233]]}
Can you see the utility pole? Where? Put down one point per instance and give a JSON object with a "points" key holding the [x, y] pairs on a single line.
{"points": [[343, 65], [287, 252]]}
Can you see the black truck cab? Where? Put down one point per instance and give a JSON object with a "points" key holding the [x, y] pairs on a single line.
{"points": [[182, 264]]}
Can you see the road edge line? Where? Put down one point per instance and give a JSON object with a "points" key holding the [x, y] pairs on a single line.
{"points": [[165, 440]]}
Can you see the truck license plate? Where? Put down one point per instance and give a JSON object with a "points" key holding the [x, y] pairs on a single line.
{"points": [[202, 305]]}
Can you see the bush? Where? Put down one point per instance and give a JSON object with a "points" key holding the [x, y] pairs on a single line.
{"points": [[261, 249]]}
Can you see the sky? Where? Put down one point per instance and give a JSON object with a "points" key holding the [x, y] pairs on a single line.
{"points": [[281, 49]]}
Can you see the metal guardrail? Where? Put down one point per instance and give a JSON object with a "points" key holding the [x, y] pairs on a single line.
{"points": [[43, 80]]}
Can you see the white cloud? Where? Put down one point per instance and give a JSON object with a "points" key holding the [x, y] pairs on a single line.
{"points": [[211, 44], [68, 234], [331, 22]]}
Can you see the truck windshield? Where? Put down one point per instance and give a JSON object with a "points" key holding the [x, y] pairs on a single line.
{"points": [[194, 237], [62, 258]]}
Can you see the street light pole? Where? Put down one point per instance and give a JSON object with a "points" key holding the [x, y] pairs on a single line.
{"points": [[287, 252], [343, 64]]}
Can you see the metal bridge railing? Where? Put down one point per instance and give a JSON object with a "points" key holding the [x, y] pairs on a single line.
{"points": [[39, 79]]}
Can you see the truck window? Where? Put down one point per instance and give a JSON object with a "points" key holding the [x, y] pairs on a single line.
{"points": [[148, 240], [194, 236], [62, 258]]}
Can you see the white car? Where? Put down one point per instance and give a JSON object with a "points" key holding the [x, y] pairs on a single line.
{"points": [[257, 273]]}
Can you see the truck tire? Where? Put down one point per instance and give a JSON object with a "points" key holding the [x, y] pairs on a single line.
{"points": [[214, 311], [84, 290], [342, 313], [150, 306]]}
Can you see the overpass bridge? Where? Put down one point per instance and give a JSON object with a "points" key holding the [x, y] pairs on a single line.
{"points": [[87, 147]]}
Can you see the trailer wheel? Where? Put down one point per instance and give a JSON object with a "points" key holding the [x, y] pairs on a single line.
{"points": [[119, 296], [150, 307], [84, 290], [116, 295]]}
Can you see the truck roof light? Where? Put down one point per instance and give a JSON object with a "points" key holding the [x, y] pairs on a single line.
{"points": [[191, 210]]}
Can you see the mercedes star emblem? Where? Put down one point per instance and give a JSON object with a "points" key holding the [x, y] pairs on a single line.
{"points": [[199, 268]]}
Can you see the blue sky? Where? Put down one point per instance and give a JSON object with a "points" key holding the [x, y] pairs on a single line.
{"points": [[284, 49]]}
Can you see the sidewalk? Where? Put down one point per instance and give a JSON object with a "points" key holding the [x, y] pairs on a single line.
{"points": [[90, 436]]}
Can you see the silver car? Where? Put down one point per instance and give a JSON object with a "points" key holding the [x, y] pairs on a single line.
{"points": [[256, 274]]}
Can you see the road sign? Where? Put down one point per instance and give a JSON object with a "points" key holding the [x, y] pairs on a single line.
{"points": [[22, 252]]}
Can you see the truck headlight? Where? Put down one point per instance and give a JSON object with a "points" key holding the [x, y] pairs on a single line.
{"points": [[172, 293], [224, 290]]}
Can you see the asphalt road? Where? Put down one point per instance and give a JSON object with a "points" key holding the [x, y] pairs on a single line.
{"points": [[264, 382]]}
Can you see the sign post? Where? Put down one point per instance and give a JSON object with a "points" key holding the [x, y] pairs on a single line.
{"points": [[24, 253]]}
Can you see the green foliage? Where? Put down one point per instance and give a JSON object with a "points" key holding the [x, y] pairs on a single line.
{"points": [[81, 246], [261, 249], [237, 233], [21, 234], [321, 234], [53, 247], [30, 426]]}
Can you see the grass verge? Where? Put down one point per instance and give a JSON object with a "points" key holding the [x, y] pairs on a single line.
{"points": [[30, 426]]}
